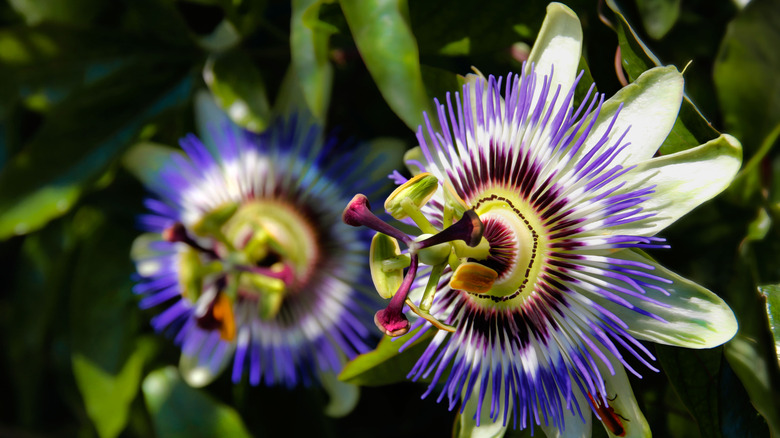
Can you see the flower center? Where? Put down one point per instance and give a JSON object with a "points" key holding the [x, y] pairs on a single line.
{"points": [[259, 251], [271, 234]]}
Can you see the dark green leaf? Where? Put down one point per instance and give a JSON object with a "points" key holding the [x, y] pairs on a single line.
{"points": [[478, 29], [746, 78], [439, 81], [385, 365], [90, 130], [658, 16], [42, 271], [691, 128], [107, 360], [713, 395], [388, 47], [46, 63], [238, 89], [179, 410], [695, 375], [738, 416]]}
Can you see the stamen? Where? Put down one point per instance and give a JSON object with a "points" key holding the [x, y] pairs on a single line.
{"points": [[178, 233], [358, 212], [468, 229], [391, 320]]}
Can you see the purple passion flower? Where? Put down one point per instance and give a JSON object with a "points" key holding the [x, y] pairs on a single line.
{"points": [[530, 267], [248, 260]]}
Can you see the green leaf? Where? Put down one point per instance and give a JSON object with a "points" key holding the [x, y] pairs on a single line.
{"points": [[238, 89], [90, 130], [385, 365], [309, 44], [104, 320], [745, 73], [179, 410], [108, 395], [691, 128], [771, 294], [658, 16], [384, 38]]}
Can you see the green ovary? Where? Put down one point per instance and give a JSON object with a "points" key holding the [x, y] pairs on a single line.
{"points": [[269, 232], [264, 251]]}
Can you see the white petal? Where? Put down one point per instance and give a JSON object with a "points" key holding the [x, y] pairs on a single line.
{"points": [[650, 107], [558, 44], [467, 425], [682, 182], [199, 374], [575, 426], [693, 317], [147, 259]]}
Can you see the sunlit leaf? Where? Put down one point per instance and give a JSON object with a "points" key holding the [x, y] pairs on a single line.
{"points": [[108, 395], [771, 294], [385, 364], [179, 410], [388, 47]]}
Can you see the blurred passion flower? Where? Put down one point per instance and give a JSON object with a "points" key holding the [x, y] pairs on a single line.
{"points": [[249, 260], [534, 215]]}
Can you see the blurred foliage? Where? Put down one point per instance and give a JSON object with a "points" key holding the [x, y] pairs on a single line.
{"points": [[92, 90]]}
